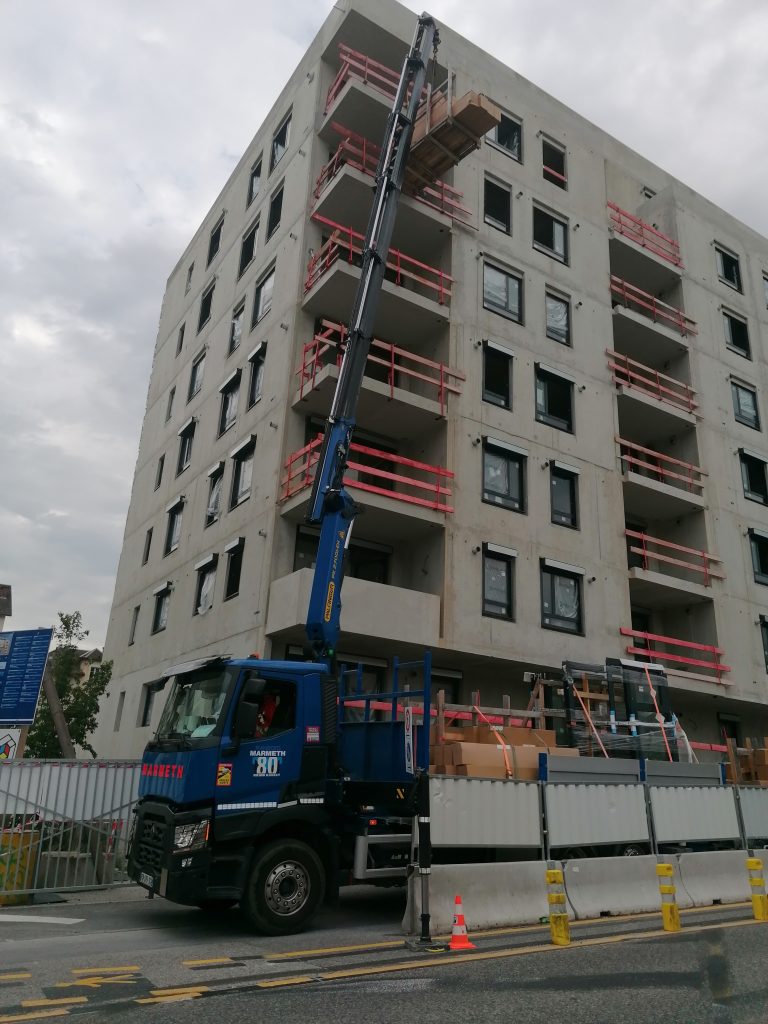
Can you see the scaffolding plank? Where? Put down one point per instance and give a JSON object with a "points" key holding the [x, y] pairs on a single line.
{"points": [[449, 133]]}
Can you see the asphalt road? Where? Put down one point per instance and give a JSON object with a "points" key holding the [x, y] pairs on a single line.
{"points": [[138, 961]]}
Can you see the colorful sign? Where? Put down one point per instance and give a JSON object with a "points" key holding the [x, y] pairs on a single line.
{"points": [[23, 654], [224, 774], [9, 744]]}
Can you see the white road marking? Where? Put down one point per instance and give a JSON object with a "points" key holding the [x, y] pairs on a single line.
{"points": [[34, 919]]}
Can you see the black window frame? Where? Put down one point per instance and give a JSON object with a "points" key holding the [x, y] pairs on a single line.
{"points": [[275, 204], [216, 477], [254, 180], [490, 183], [175, 516], [504, 310], [758, 548], [748, 462], [729, 320], [258, 314], [233, 573], [248, 247], [134, 625], [495, 353], [236, 327], [206, 306], [201, 573], [492, 137], [159, 471], [148, 693], [169, 403], [277, 149], [763, 621], [244, 454], [765, 289], [550, 172], [517, 462], [552, 332], [489, 607], [214, 242], [256, 360], [736, 387], [230, 398], [557, 516], [147, 545], [195, 381], [544, 376], [560, 623], [162, 600], [180, 338], [541, 217], [726, 261], [190, 271], [186, 443]]}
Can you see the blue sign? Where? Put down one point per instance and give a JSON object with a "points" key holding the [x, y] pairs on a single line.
{"points": [[23, 654]]}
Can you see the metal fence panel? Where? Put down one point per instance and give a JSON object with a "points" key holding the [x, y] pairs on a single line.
{"points": [[588, 815], [64, 824], [694, 813], [754, 812], [484, 812]]}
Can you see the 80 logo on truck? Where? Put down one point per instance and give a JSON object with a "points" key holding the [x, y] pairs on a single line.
{"points": [[267, 762]]}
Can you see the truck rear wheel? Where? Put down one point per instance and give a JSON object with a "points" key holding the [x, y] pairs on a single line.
{"points": [[284, 889]]}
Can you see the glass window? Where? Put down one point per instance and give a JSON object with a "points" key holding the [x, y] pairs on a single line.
{"points": [[275, 212], [558, 318], [119, 712], [206, 582], [186, 439], [497, 376], [280, 142], [160, 616], [736, 333], [190, 271], [169, 404], [497, 205], [275, 700], [554, 400], [363, 560], [561, 600], [262, 300], [236, 327], [754, 478], [134, 624], [257, 374], [553, 163], [764, 637], [159, 471], [508, 134], [502, 292], [728, 269], [173, 530], [504, 477], [213, 508], [745, 405], [765, 288], [196, 376], [247, 248], [550, 235], [254, 182], [228, 411], [759, 547], [206, 302], [214, 243], [234, 568], [148, 693], [498, 585], [564, 491], [147, 546], [242, 477], [180, 339]]}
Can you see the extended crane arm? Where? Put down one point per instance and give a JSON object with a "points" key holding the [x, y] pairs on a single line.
{"points": [[330, 504]]}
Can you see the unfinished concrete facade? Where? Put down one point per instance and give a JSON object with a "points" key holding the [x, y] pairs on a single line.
{"points": [[560, 449]]}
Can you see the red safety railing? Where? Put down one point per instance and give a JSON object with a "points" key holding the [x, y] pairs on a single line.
{"points": [[365, 69], [397, 366], [346, 243], [700, 563], [631, 374], [660, 467], [645, 234], [555, 177], [356, 151], [365, 472], [712, 664], [628, 295]]}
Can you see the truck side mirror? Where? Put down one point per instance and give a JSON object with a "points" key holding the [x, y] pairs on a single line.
{"points": [[246, 720]]}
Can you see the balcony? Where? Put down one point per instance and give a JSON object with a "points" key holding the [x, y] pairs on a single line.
{"points": [[651, 404], [640, 252], [420, 387], [658, 486], [651, 309], [404, 497], [415, 296], [369, 611], [663, 574], [679, 657]]}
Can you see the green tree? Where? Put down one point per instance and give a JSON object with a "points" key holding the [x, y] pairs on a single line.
{"points": [[79, 697]]}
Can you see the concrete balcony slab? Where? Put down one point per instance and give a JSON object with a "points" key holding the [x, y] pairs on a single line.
{"points": [[657, 590], [649, 499]]}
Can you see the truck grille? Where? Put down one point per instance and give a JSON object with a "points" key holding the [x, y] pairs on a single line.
{"points": [[150, 842]]}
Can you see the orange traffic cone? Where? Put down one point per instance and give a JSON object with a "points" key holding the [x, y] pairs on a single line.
{"points": [[459, 938]]}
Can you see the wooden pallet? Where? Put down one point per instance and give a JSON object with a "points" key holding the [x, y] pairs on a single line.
{"points": [[445, 132]]}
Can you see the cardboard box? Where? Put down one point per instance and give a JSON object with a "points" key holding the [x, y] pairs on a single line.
{"points": [[564, 751], [761, 758], [487, 771], [475, 754], [525, 761], [451, 735]]}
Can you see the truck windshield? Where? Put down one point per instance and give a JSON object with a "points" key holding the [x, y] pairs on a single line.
{"points": [[195, 704]]}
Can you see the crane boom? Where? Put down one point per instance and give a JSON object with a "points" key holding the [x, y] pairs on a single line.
{"points": [[331, 506]]}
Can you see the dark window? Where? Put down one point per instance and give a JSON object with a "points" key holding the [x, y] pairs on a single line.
{"points": [[119, 712], [553, 163], [561, 600], [242, 476], [554, 400], [160, 615], [147, 546], [508, 134], [362, 559], [498, 584], [275, 212], [502, 292], [254, 182], [736, 334], [765, 288], [280, 142], [497, 376], [503, 477], [728, 269], [754, 478], [228, 412], [236, 327], [190, 271], [148, 693], [764, 637], [215, 241], [558, 318], [257, 374], [173, 529], [550, 235], [134, 624], [180, 339], [497, 206], [234, 568], [186, 438], [275, 700], [206, 582], [247, 248], [262, 300], [206, 302], [159, 471], [196, 376], [745, 405], [169, 404], [213, 508], [759, 546], [564, 490]]}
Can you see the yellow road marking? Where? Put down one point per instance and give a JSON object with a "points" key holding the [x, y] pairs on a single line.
{"points": [[212, 960], [128, 969], [98, 981], [181, 991], [300, 979], [16, 977], [39, 1015], [70, 1001], [180, 998], [297, 953]]}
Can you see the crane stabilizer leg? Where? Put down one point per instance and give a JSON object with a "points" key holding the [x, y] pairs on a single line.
{"points": [[330, 506]]}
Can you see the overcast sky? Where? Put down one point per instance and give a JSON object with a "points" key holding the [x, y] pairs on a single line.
{"points": [[119, 124]]}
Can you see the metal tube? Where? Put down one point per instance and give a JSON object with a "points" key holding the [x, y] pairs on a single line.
{"points": [[425, 853]]}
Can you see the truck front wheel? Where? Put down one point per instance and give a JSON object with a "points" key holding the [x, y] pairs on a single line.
{"points": [[284, 889]]}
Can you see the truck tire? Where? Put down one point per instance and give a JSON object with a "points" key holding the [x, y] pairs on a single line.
{"points": [[285, 887]]}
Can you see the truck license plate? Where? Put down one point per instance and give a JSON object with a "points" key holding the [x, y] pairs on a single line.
{"points": [[146, 880]]}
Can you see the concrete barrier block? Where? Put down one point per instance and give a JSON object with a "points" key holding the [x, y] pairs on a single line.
{"points": [[494, 895], [717, 877], [617, 885]]}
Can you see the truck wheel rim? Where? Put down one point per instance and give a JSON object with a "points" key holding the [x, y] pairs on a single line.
{"points": [[287, 888]]}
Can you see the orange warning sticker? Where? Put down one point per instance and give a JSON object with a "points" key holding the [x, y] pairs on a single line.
{"points": [[224, 774]]}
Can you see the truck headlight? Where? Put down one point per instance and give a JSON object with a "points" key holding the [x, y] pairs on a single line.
{"points": [[188, 837]]}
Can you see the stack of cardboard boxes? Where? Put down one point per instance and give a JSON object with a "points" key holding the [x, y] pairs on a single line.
{"points": [[747, 766], [484, 751]]}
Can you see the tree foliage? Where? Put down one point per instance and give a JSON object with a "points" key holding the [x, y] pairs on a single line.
{"points": [[79, 697]]}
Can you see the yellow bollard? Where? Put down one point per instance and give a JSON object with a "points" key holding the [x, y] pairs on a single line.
{"points": [[559, 927], [670, 914], [757, 883]]}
